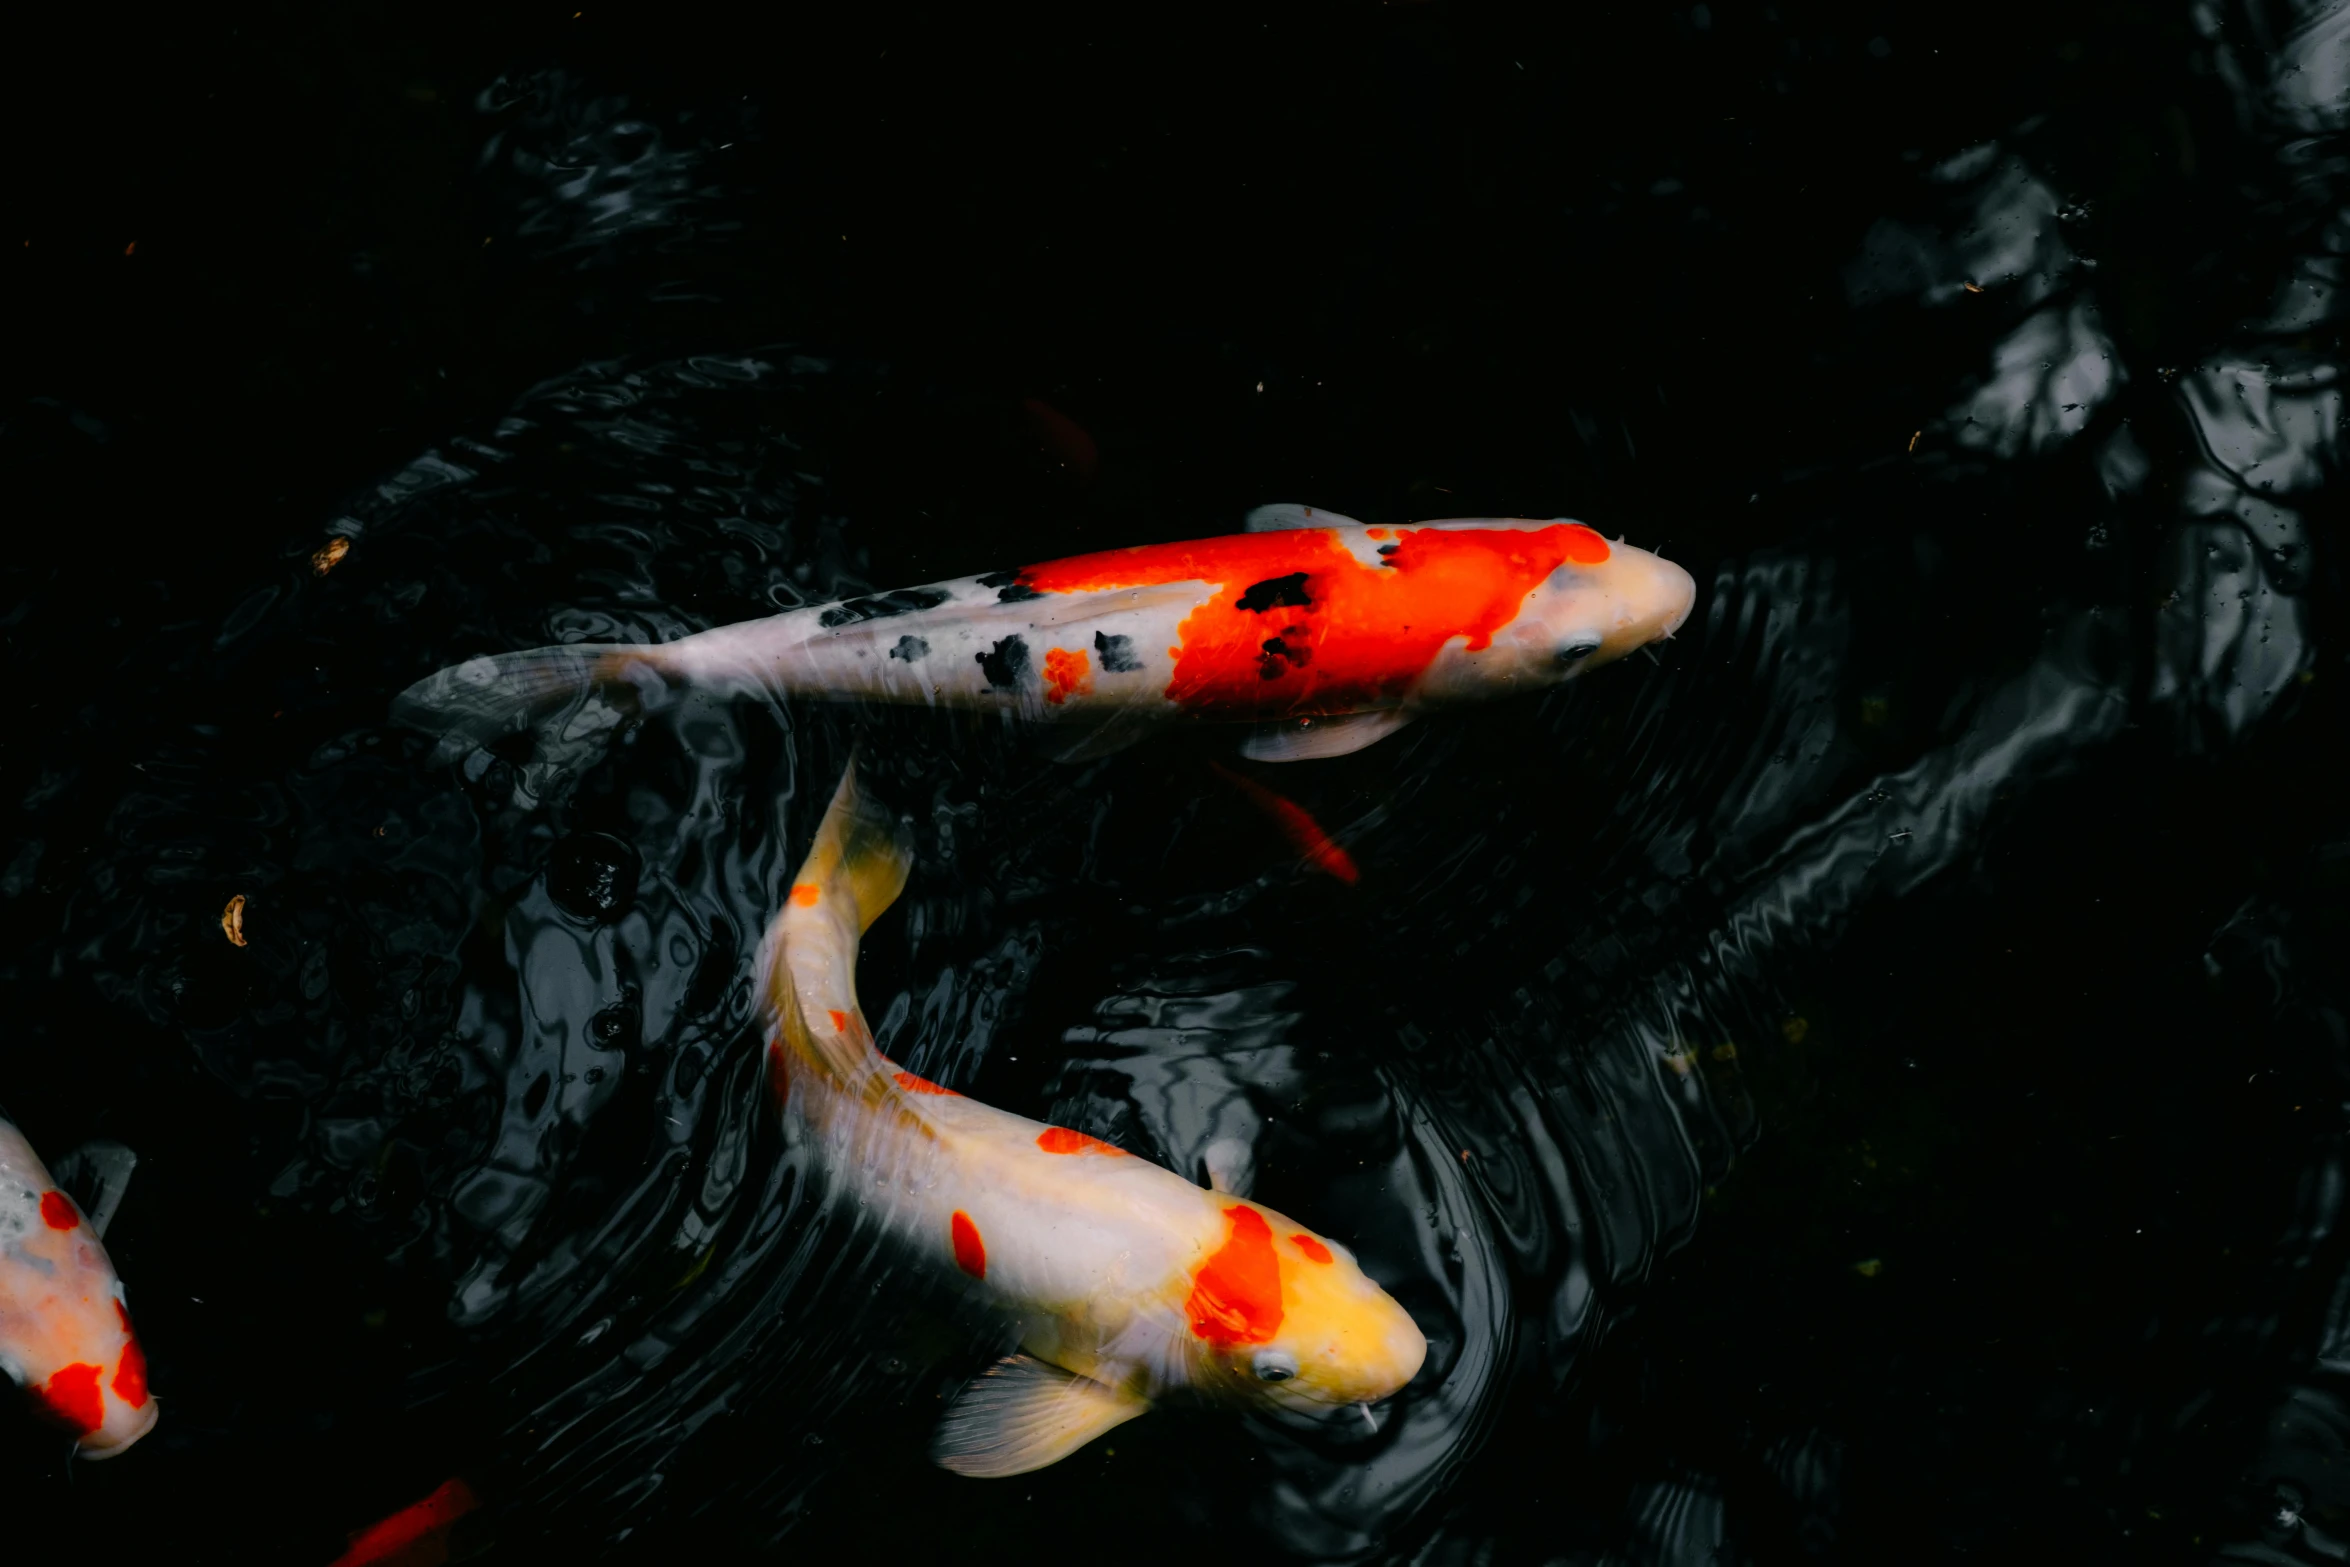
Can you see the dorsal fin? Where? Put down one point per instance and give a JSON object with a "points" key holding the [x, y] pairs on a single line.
{"points": [[1282, 516], [95, 1175]]}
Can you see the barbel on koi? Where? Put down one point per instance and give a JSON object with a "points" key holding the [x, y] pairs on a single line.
{"points": [[1323, 634], [1127, 1281]]}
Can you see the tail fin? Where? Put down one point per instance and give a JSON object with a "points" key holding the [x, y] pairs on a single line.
{"points": [[564, 692], [860, 852], [854, 871]]}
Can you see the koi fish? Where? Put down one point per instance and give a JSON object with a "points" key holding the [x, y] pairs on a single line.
{"points": [[1128, 1282], [1323, 634], [65, 1332], [415, 1536], [1316, 847]]}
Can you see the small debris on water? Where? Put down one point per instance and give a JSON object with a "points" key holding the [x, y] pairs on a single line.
{"points": [[232, 920], [1870, 1268], [323, 559]]}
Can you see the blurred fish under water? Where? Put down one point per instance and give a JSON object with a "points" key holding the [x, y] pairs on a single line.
{"points": [[486, 1029]]}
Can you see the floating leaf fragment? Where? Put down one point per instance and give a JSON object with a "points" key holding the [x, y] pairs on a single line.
{"points": [[323, 559], [232, 920]]}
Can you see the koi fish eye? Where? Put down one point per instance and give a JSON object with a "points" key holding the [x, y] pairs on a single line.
{"points": [[1275, 1365], [1579, 649]]}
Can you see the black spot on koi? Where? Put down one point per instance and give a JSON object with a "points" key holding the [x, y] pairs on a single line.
{"points": [[1280, 657], [1117, 653], [1277, 593], [1005, 663], [880, 606], [1014, 591], [910, 649]]}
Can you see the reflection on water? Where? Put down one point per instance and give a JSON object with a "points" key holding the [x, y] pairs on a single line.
{"points": [[489, 1062]]}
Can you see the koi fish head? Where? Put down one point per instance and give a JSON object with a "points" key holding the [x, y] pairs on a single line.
{"points": [[1596, 606], [1286, 1317]]}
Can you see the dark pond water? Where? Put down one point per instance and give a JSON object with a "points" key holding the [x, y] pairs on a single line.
{"points": [[1869, 1083]]}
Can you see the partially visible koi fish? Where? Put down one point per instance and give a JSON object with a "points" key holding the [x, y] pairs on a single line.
{"points": [[65, 1329], [1324, 634], [1297, 824], [1127, 1281], [415, 1536]]}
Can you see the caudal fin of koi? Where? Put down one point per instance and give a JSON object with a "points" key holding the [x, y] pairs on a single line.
{"points": [[565, 696], [861, 850], [855, 869]]}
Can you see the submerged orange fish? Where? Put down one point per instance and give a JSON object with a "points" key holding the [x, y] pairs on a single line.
{"points": [[1128, 1282], [1297, 824], [415, 1536], [1323, 634]]}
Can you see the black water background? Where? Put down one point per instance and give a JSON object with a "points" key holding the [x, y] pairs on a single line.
{"points": [[2077, 1095]]}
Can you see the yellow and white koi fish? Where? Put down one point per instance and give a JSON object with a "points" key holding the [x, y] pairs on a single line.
{"points": [[1325, 634], [1128, 1282], [65, 1333]]}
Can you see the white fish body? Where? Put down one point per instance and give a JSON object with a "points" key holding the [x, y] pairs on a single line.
{"points": [[1128, 1281], [1326, 638], [65, 1329]]}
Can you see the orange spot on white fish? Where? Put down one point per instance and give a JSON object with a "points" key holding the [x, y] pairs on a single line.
{"points": [[840, 1020], [130, 1373], [73, 1400], [805, 894], [1305, 835], [1313, 1249], [415, 1536], [923, 1085], [57, 1211], [1236, 1294], [970, 1251], [1059, 1139], [1067, 672]]}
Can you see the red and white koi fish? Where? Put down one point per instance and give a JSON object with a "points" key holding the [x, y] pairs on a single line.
{"points": [[1325, 634], [1128, 1282], [65, 1332]]}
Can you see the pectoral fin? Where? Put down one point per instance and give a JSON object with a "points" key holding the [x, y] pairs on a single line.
{"points": [[1286, 515], [1309, 739], [95, 1176], [1023, 1414]]}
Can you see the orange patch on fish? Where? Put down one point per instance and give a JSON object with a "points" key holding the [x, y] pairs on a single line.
{"points": [[1305, 835], [72, 1397], [970, 1250], [923, 1085], [1298, 626], [1313, 1249], [130, 1375], [57, 1211], [805, 894], [1068, 672], [1236, 1294], [1059, 1139], [840, 1020], [415, 1536]]}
